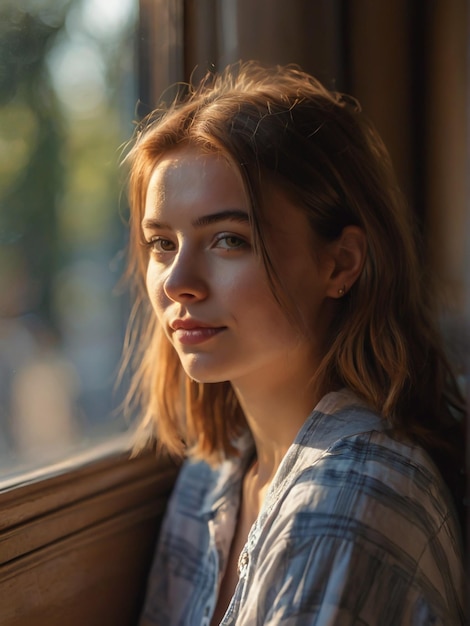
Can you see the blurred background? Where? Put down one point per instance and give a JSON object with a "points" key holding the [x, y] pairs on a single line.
{"points": [[67, 98], [76, 74]]}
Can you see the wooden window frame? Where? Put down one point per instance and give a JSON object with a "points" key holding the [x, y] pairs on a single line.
{"points": [[75, 548]]}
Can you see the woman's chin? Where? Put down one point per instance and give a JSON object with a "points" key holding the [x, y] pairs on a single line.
{"points": [[201, 375]]}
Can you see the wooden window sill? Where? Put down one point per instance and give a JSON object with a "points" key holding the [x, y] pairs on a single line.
{"points": [[75, 548]]}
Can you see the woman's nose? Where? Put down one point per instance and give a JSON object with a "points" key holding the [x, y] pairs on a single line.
{"points": [[186, 278]]}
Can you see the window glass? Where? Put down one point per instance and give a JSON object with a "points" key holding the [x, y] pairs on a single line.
{"points": [[67, 98]]}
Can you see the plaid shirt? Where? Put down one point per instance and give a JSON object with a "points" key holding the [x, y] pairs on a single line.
{"points": [[357, 528]]}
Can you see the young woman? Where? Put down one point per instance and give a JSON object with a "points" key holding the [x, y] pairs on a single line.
{"points": [[285, 345]]}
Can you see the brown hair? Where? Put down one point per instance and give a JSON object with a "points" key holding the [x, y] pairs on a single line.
{"points": [[281, 124]]}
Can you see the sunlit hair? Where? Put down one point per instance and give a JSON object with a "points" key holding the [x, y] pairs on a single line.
{"points": [[281, 125]]}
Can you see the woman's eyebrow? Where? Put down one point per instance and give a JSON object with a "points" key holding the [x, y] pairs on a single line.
{"points": [[234, 215]]}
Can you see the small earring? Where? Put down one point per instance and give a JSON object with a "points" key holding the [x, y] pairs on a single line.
{"points": [[342, 291]]}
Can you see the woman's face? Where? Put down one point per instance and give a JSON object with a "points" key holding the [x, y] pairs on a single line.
{"points": [[209, 288]]}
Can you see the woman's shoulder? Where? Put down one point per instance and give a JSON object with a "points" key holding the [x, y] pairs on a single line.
{"points": [[378, 492], [386, 456], [361, 447], [381, 470], [381, 500], [353, 472]]}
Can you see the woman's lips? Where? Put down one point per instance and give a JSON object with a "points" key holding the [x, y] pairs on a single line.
{"points": [[194, 336], [192, 332]]}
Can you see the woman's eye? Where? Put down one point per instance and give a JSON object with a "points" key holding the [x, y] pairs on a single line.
{"points": [[231, 242], [159, 244]]}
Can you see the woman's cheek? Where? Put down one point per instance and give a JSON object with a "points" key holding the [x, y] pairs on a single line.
{"points": [[155, 290]]}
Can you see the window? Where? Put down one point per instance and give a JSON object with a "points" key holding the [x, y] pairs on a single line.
{"points": [[68, 91]]}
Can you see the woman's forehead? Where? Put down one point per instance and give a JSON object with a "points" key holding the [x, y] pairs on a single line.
{"points": [[191, 180]]}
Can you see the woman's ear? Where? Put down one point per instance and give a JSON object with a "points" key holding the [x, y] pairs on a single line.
{"points": [[347, 256]]}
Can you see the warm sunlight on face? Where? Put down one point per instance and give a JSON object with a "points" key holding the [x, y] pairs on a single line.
{"points": [[208, 287]]}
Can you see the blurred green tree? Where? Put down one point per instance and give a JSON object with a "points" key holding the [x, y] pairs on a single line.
{"points": [[32, 137]]}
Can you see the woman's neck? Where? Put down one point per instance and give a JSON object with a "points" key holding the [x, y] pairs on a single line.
{"points": [[275, 413]]}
